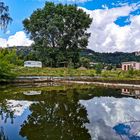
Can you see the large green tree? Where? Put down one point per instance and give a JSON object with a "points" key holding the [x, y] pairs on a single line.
{"points": [[5, 18], [63, 28]]}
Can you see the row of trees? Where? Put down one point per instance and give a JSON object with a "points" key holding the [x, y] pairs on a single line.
{"points": [[115, 58]]}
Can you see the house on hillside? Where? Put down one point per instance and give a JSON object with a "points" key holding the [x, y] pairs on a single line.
{"points": [[130, 65], [37, 64], [137, 53], [92, 64]]}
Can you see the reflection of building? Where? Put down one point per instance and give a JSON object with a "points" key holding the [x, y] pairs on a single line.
{"points": [[32, 92], [130, 92], [131, 65]]}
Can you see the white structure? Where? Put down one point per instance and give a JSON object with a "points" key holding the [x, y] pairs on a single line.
{"points": [[33, 64], [30, 93], [137, 53], [93, 64], [131, 65]]}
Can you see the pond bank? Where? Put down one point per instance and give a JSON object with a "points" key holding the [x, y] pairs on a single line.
{"points": [[112, 85], [74, 78], [134, 84]]}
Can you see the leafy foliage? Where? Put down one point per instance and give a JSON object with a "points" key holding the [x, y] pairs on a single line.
{"points": [[5, 18], [115, 58], [85, 62], [98, 68], [8, 59], [58, 32]]}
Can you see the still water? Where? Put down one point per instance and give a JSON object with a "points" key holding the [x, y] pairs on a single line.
{"points": [[69, 113]]}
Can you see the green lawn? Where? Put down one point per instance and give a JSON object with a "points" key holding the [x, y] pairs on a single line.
{"points": [[53, 72], [105, 75]]}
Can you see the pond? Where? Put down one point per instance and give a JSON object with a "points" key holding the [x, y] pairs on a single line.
{"points": [[69, 112]]}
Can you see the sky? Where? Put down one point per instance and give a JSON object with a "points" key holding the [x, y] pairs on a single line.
{"points": [[115, 26]]}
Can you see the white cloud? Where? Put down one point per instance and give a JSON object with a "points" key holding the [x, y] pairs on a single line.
{"points": [[19, 39], [3, 42], [106, 36]]}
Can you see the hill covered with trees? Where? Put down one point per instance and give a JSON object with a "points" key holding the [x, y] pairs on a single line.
{"points": [[115, 58]]}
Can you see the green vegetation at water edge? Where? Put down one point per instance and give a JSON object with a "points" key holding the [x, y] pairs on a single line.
{"points": [[53, 72], [8, 62], [105, 74]]}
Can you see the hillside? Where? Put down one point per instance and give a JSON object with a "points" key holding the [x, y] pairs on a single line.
{"points": [[109, 58]]}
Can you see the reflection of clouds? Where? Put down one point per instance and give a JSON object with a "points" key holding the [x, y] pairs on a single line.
{"points": [[32, 93], [105, 112], [18, 107]]}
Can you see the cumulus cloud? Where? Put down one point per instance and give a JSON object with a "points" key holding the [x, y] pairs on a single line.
{"points": [[106, 36], [3, 42], [18, 39]]}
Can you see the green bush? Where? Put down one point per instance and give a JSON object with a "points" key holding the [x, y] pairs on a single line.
{"points": [[8, 61]]}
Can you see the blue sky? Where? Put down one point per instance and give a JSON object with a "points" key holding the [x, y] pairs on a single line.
{"points": [[21, 9]]}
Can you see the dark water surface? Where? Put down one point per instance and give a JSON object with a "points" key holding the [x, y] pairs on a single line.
{"points": [[69, 113]]}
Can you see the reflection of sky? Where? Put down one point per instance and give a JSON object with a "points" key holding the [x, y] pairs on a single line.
{"points": [[18, 107], [21, 112], [106, 112]]}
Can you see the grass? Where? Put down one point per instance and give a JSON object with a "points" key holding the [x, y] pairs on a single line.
{"points": [[105, 75], [53, 72]]}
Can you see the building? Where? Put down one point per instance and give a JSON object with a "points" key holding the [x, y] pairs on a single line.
{"points": [[137, 53], [131, 65], [92, 64], [33, 64]]}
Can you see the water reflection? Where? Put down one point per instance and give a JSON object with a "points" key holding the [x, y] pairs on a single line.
{"points": [[5, 112], [29, 93], [106, 113], [56, 117], [74, 113], [131, 92], [128, 130], [2, 134]]}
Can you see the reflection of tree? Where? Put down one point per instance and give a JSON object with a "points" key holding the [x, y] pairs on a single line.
{"points": [[57, 117], [2, 135], [6, 113]]}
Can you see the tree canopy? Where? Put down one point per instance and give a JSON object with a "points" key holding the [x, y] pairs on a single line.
{"points": [[58, 32], [5, 18]]}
